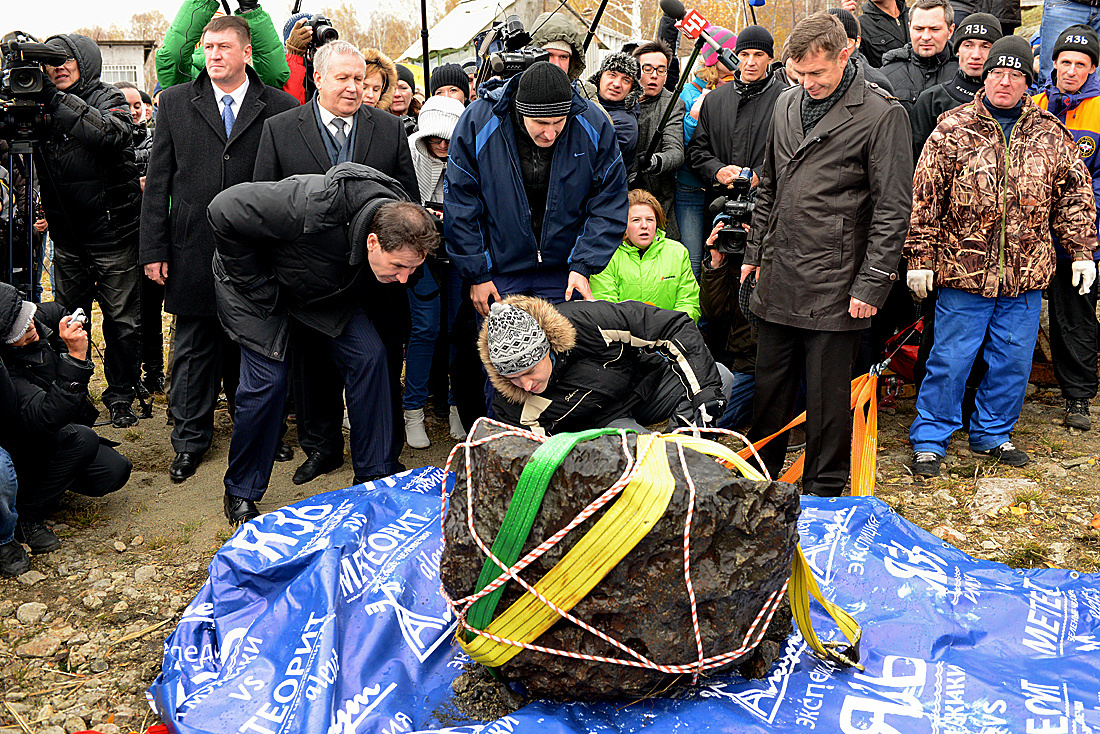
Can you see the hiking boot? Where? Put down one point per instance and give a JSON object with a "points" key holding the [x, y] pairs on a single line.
{"points": [[415, 435], [1006, 453], [35, 534], [796, 440], [458, 433], [926, 464], [14, 561], [1077, 414]]}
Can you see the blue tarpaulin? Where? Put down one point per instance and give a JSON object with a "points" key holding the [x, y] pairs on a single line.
{"points": [[325, 616]]}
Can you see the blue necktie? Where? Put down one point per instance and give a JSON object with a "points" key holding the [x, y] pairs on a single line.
{"points": [[227, 113]]}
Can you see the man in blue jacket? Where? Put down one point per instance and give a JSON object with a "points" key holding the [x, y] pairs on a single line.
{"points": [[534, 199]]}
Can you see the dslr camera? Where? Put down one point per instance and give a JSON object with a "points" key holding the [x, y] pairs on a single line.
{"points": [[323, 32], [513, 54], [733, 211]]}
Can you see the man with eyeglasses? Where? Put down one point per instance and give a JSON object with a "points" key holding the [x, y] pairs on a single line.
{"points": [[657, 174], [995, 177]]}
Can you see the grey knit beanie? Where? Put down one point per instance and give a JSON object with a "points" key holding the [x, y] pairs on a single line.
{"points": [[516, 343], [624, 64]]}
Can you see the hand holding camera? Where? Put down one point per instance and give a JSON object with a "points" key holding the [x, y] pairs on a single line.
{"points": [[71, 330]]}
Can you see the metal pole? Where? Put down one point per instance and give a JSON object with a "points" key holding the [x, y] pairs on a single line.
{"points": [[592, 28], [685, 71], [424, 38]]}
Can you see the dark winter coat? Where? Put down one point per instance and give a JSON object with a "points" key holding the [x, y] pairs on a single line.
{"points": [[89, 178], [670, 150], [291, 144], [880, 33], [730, 337], [191, 162], [51, 387], [487, 217], [284, 249], [870, 73], [831, 210], [626, 128], [732, 130], [935, 101], [143, 146], [601, 352], [911, 74]]}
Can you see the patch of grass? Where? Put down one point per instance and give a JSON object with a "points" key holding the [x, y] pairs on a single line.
{"points": [[222, 536], [156, 542], [1030, 495], [1052, 443], [82, 517], [132, 435], [137, 509], [1031, 554], [188, 529]]}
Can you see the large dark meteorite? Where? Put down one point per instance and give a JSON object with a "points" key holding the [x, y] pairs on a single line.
{"points": [[743, 537]]}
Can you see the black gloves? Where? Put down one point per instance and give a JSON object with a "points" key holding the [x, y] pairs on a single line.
{"points": [[709, 413], [652, 165]]}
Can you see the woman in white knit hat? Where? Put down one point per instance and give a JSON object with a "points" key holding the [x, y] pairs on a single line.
{"points": [[429, 145]]}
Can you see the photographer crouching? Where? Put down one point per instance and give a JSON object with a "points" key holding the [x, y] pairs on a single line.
{"points": [[53, 447], [92, 200], [730, 337]]}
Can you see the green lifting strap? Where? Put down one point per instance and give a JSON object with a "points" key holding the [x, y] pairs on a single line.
{"points": [[520, 517]]}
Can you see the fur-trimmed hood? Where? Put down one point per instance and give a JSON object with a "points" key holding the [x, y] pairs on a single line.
{"points": [[559, 332], [380, 62]]}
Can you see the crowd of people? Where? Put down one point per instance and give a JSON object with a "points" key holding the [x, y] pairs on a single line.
{"points": [[337, 245]]}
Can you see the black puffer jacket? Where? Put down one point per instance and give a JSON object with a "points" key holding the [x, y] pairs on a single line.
{"points": [[89, 176], [143, 146], [911, 74], [283, 249], [935, 101]]}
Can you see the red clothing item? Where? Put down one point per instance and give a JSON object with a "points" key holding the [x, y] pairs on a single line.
{"points": [[296, 85]]}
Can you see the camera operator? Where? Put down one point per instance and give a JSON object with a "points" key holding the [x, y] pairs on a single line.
{"points": [[55, 449], [733, 123], [92, 199]]}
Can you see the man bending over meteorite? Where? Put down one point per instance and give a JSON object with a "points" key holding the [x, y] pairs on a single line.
{"points": [[589, 364]]}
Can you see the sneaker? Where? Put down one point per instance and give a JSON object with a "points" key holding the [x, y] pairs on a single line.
{"points": [[1006, 453], [1077, 414], [415, 435], [458, 433], [35, 534], [926, 464], [14, 561], [122, 415]]}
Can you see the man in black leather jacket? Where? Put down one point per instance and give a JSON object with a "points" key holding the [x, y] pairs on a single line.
{"points": [[92, 199]]}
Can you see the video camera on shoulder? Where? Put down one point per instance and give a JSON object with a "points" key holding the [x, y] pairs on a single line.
{"points": [[734, 211], [509, 52], [22, 78]]}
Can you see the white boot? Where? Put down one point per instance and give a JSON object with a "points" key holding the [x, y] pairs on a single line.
{"points": [[457, 431], [415, 435]]}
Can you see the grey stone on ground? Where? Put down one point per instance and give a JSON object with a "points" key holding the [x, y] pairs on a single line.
{"points": [[32, 577], [30, 612], [993, 493], [742, 539]]}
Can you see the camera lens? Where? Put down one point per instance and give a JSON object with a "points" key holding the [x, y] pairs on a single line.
{"points": [[26, 80]]}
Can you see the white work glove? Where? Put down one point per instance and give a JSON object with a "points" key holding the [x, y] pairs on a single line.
{"points": [[1084, 275], [920, 282]]}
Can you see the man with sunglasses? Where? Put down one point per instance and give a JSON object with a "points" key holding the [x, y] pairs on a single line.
{"points": [[657, 174]]}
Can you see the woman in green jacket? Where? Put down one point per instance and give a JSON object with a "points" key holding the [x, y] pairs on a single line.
{"points": [[647, 267]]}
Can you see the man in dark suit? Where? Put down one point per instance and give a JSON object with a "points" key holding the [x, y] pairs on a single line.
{"points": [[335, 127], [207, 135]]}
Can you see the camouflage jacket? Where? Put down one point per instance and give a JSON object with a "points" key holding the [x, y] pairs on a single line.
{"points": [[984, 226]]}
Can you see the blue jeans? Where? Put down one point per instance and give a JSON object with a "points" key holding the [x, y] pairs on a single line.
{"points": [[8, 489], [739, 409], [424, 317], [694, 221], [1057, 16], [962, 322]]}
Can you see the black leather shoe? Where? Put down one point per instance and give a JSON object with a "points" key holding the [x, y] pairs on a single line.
{"points": [[184, 465], [368, 478], [284, 452], [35, 534], [14, 561], [122, 415], [315, 466], [239, 510]]}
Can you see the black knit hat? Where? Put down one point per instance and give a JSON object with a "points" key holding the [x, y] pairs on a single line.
{"points": [[544, 91], [449, 75], [851, 25], [755, 37], [980, 26], [404, 74], [1080, 38], [1011, 52]]}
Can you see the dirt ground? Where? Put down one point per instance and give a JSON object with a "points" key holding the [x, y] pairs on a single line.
{"points": [[81, 635]]}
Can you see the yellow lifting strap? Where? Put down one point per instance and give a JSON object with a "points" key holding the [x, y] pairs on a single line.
{"points": [[637, 509]]}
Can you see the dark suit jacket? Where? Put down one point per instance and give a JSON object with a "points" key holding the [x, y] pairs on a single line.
{"points": [[291, 144], [191, 162]]}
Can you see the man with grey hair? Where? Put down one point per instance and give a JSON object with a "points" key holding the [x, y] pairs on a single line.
{"points": [[825, 244], [334, 127]]}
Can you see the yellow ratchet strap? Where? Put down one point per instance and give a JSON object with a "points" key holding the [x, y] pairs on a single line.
{"points": [[803, 585]]}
